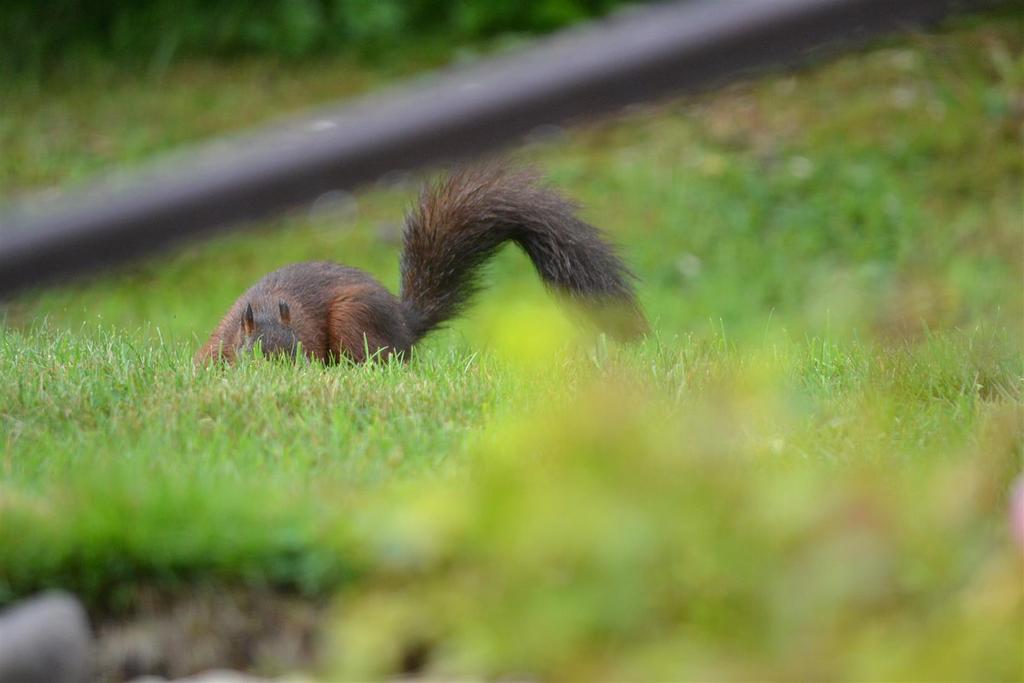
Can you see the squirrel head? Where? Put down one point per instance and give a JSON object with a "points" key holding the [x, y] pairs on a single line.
{"points": [[272, 334]]}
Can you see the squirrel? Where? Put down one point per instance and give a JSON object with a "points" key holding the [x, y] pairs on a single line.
{"points": [[334, 311]]}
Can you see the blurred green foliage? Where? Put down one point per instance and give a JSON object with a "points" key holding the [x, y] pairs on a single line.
{"points": [[623, 539], [37, 34]]}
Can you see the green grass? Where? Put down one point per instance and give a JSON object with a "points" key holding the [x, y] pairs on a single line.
{"points": [[802, 474]]}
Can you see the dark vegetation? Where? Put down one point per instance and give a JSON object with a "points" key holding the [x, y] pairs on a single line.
{"points": [[35, 35]]}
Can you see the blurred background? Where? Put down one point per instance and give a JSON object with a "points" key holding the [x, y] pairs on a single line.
{"points": [[805, 472], [157, 33]]}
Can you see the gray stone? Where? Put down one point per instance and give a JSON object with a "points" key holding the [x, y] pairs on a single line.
{"points": [[45, 639]]}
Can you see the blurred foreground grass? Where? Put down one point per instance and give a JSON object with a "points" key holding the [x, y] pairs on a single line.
{"points": [[802, 474]]}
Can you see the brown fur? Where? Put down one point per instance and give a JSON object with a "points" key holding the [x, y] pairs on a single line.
{"points": [[334, 311], [353, 327], [461, 222]]}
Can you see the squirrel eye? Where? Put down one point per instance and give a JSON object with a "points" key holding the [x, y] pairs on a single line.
{"points": [[286, 314]]}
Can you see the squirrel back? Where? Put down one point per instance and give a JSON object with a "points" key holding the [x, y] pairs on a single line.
{"points": [[457, 226]]}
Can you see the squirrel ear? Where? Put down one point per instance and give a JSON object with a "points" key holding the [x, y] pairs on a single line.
{"points": [[286, 314], [248, 321]]}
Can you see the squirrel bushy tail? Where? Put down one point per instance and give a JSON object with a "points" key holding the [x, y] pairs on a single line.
{"points": [[461, 222]]}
